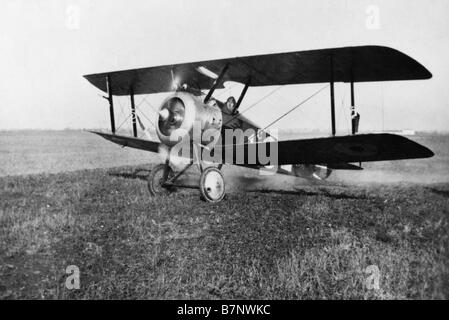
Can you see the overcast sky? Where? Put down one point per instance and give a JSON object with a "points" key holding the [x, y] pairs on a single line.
{"points": [[47, 45]]}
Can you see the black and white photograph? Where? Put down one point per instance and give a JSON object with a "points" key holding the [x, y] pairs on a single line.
{"points": [[246, 151]]}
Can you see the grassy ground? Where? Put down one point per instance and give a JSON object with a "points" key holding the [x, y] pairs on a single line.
{"points": [[41, 151], [313, 242]]}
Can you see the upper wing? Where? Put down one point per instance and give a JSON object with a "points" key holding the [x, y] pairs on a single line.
{"points": [[332, 150], [364, 63], [130, 141]]}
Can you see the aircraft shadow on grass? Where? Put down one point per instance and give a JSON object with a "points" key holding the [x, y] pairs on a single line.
{"points": [[308, 193], [142, 174], [443, 193]]}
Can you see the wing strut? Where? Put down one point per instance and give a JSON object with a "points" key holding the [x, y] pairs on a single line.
{"points": [[242, 95], [216, 83], [355, 116], [133, 111], [352, 104], [111, 103], [332, 93]]}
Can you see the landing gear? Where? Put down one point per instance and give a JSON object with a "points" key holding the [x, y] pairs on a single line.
{"points": [[159, 175], [212, 185], [162, 179]]}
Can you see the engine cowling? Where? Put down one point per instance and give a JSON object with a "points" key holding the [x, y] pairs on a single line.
{"points": [[311, 171], [183, 113]]}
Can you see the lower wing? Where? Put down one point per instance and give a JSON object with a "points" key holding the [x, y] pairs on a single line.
{"points": [[131, 142], [329, 150], [335, 152]]}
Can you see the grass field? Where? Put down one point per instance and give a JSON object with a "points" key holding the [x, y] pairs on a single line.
{"points": [[271, 238]]}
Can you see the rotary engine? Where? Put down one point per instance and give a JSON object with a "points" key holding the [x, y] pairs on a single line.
{"points": [[184, 115], [311, 171]]}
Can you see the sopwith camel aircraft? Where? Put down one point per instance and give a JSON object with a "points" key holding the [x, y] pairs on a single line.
{"points": [[192, 107]]}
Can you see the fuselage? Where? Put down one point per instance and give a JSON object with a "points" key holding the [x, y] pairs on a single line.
{"points": [[184, 117]]}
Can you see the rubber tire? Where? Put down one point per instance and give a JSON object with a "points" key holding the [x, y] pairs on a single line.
{"points": [[204, 195], [154, 174]]}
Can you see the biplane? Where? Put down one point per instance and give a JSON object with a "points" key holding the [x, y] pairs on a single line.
{"points": [[191, 104]]}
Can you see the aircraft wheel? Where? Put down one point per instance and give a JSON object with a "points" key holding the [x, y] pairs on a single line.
{"points": [[156, 180], [212, 185]]}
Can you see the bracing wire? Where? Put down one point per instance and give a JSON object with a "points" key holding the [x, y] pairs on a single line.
{"points": [[143, 113], [146, 117], [294, 108], [120, 103], [254, 104], [343, 106], [305, 115], [123, 122]]}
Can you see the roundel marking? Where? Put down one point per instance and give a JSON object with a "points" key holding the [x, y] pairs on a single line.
{"points": [[356, 149]]}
